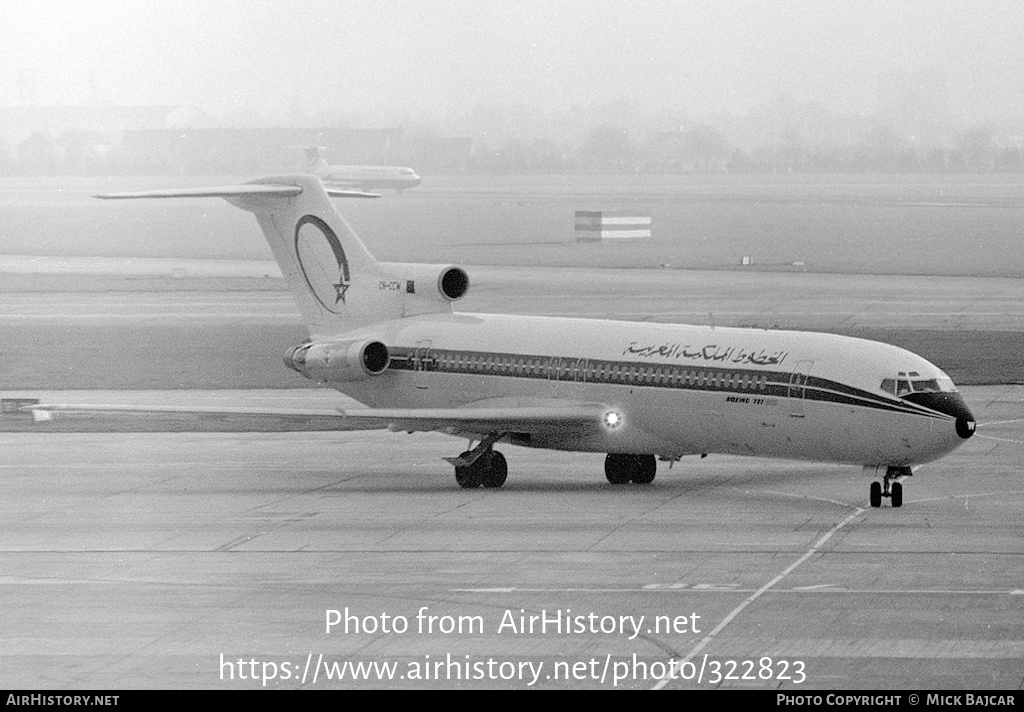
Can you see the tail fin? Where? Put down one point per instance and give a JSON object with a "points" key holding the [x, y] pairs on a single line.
{"points": [[335, 281]]}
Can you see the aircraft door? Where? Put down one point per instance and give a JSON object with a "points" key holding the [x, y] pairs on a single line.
{"points": [[570, 374], [798, 388], [554, 368], [579, 370], [422, 361]]}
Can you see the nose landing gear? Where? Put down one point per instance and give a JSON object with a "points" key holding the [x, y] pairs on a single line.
{"points": [[889, 487]]}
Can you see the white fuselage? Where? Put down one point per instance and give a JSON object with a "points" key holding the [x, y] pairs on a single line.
{"points": [[370, 177], [680, 389]]}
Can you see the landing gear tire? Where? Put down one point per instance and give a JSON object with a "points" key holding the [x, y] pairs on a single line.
{"points": [[489, 470], [616, 469], [646, 469], [890, 487], [876, 494], [622, 469], [497, 470], [468, 477]]}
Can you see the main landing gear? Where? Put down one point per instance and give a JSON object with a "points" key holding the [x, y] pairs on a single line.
{"points": [[481, 467], [622, 469], [485, 467], [488, 470], [889, 487]]}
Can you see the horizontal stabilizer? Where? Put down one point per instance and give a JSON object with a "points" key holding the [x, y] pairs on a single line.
{"points": [[224, 191], [235, 191]]}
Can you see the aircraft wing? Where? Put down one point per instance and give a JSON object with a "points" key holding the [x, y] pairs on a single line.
{"points": [[132, 418], [554, 418], [342, 192], [550, 418]]}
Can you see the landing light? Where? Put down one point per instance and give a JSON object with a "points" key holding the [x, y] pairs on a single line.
{"points": [[612, 420]]}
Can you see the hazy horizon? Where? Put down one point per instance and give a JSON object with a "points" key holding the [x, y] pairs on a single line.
{"points": [[436, 57]]}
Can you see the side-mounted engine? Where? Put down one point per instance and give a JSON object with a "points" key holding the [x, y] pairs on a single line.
{"points": [[338, 361]]}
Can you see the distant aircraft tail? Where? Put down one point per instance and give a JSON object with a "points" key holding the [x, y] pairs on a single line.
{"points": [[315, 162], [335, 281]]}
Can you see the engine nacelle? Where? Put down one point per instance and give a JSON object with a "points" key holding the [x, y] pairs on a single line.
{"points": [[335, 361], [444, 283]]}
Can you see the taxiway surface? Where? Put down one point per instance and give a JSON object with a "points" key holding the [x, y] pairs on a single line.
{"points": [[190, 560], [204, 560]]}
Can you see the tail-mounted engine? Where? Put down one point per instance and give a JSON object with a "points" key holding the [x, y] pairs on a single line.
{"points": [[338, 361], [433, 282]]}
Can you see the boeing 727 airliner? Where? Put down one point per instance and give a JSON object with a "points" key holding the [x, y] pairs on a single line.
{"points": [[364, 178], [386, 335]]}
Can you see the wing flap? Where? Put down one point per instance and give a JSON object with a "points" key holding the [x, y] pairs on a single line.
{"points": [[568, 419]]}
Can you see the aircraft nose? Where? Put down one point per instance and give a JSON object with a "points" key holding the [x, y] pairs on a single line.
{"points": [[951, 404], [965, 423], [965, 428]]}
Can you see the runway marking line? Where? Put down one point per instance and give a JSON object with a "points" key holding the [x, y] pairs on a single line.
{"points": [[966, 496], [1002, 440], [753, 597]]}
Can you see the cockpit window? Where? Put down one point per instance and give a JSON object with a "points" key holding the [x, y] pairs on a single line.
{"points": [[906, 384]]}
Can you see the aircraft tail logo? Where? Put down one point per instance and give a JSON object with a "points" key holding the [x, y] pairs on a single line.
{"points": [[316, 246]]}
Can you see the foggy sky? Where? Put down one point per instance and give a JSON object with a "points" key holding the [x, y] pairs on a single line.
{"points": [[437, 56]]}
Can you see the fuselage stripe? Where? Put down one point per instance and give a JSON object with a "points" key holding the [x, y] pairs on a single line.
{"points": [[777, 384]]}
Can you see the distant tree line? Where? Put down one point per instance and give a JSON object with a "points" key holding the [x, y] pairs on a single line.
{"points": [[603, 149], [704, 149]]}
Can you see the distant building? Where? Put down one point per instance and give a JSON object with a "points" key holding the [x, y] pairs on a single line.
{"points": [[71, 139], [17, 123]]}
